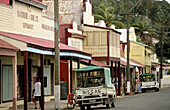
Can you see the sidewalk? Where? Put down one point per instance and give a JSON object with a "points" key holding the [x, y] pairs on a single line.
{"points": [[48, 106]]}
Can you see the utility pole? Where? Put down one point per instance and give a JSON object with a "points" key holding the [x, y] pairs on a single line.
{"points": [[128, 71], [161, 56], [57, 56]]}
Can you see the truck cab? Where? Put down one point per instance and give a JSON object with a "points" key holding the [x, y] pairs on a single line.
{"points": [[94, 87]]}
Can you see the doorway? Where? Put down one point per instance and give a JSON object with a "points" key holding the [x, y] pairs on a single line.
{"points": [[7, 83]]}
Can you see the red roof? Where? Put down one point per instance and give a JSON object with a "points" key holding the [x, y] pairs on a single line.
{"points": [[96, 63], [123, 61], [155, 64], [138, 64], [39, 1], [30, 40], [6, 45], [40, 42], [64, 47]]}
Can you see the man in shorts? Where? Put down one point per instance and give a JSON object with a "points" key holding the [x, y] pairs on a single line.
{"points": [[37, 92]]}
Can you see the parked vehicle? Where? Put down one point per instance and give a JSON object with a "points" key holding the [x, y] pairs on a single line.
{"points": [[149, 81], [94, 86]]}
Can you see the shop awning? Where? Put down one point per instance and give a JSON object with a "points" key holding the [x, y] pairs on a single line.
{"points": [[6, 45], [95, 63], [155, 64], [123, 61], [44, 46]]}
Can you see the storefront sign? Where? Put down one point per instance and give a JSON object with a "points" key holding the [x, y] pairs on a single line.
{"points": [[47, 27], [75, 44], [28, 16]]}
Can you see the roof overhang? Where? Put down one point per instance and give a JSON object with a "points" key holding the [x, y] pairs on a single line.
{"points": [[34, 3], [42, 46], [95, 63]]}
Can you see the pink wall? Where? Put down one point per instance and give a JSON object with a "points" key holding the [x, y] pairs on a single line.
{"points": [[7, 2]]}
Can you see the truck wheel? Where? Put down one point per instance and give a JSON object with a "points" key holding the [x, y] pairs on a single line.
{"points": [[88, 107], [143, 90], [157, 89], [82, 107], [113, 104]]}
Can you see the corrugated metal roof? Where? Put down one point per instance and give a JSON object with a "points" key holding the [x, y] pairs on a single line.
{"points": [[96, 63], [30, 40], [123, 61], [41, 42], [6, 45]]}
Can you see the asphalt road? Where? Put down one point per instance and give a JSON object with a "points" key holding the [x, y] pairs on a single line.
{"points": [[150, 100]]}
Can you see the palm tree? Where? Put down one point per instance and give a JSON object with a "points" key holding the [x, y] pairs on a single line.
{"points": [[145, 32], [105, 14]]}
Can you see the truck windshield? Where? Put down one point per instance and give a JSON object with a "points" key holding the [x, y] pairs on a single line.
{"points": [[147, 78], [90, 79]]}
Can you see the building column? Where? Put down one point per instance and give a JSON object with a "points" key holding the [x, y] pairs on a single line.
{"points": [[119, 79], [108, 47], [14, 82], [71, 74], [89, 62], [42, 81], [112, 70], [116, 75], [78, 63], [25, 80]]}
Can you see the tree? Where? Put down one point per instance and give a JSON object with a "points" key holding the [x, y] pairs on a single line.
{"points": [[105, 14], [118, 25], [145, 32], [161, 21]]}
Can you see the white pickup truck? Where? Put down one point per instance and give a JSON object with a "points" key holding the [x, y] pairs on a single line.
{"points": [[149, 82], [94, 86]]}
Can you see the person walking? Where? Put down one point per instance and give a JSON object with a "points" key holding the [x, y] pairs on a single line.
{"points": [[37, 92]]}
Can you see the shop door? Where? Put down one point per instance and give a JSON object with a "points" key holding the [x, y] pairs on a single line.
{"points": [[7, 83], [47, 80]]}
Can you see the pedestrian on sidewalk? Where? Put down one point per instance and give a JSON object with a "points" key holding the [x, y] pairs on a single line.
{"points": [[37, 92]]}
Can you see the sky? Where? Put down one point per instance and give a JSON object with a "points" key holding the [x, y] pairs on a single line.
{"points": [[168, 1]]}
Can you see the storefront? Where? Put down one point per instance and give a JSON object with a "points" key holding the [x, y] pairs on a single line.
{"points": [[8, 72]]}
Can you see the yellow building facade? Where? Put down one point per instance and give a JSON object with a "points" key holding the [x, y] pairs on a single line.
{"points": [[142, 54]]}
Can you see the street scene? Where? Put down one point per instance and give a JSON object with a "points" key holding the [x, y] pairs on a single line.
{"points": [[84, 55]]}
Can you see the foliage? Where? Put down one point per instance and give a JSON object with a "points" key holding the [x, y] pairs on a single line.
{"points": [[145, 32], [105, 14], [154, 15], [118, 24]]}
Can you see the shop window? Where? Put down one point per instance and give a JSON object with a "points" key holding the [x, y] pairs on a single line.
{"points": [[7, 2], [49, 63], [44, 61], [45, 81]]}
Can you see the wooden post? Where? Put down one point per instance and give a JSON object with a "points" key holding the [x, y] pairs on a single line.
{"points": [[14, 82], [89, 62], [78, 63], [108, 47], [116, 75], [119, 79], [71, 74], [25, 80], [112, 70], [42, 82]]}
